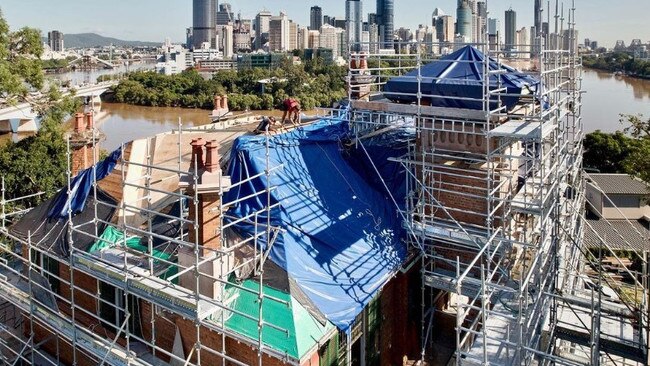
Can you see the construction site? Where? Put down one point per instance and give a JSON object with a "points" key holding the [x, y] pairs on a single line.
{"points": [[436, 217]]}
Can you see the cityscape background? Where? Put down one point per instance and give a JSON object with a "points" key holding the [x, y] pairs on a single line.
{"points": [[597, 19]]}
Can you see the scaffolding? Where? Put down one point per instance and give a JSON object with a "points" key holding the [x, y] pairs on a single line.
{"points": [[496, 207], [141, 290]]}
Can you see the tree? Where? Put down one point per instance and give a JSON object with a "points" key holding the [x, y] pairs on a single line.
{"points": [[637, 163], [38, 163], [20, 63], [606, 151]]}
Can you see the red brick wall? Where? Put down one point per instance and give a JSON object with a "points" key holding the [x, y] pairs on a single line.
{"points": [[399, 332]]}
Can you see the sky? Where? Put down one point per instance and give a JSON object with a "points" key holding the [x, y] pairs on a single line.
{"points": [[154, 20]]}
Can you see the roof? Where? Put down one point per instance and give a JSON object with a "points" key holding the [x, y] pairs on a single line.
{"points": [[612, 230], [620, 184]]}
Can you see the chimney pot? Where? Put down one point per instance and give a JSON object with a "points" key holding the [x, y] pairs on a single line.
{"points": [[197, 154], [212, 156], [217, 101], [90, 121], [224, 102], [79, 123]]}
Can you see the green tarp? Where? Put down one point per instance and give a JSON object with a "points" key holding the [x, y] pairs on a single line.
{"points": [[298, 332], [294, 331], [112, 237]]}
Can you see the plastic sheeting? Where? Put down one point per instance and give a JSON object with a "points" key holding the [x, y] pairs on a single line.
{"points": [[80, 187], [51, 234], [294, 331], [341, 239], [460, 75], [112, 237]]}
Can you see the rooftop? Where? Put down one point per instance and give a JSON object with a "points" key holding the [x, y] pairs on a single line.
{"points": [[619, 184], [613, 230]]}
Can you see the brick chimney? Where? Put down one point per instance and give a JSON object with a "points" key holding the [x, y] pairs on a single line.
{"points": [[206, 217], [81, 144]]}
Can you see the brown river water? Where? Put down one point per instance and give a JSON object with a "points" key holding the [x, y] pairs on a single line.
{"points": [[606, 96]]}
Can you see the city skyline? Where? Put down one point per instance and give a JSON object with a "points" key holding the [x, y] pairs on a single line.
{"points": [[170, 18]]}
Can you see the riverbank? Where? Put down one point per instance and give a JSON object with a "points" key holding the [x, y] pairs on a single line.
{"points": [[615, 73]]}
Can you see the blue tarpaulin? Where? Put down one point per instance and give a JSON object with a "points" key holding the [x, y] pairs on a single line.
{"points": [[80, 187], [342, 235], [460, 75]]}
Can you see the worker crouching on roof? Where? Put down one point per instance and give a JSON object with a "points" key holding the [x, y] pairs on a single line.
{"points": [[291, 109], [266, 124]]}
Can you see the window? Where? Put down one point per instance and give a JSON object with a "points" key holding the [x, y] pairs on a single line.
{"points": [[111, 309], [622, 201]]}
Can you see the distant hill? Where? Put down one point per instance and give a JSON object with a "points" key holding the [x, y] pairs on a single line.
{"points": [[87, 40]]}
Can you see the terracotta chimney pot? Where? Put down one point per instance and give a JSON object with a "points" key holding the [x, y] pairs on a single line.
{"points": [[79, 123], [212, 156], [197, 154], [90, 121]]}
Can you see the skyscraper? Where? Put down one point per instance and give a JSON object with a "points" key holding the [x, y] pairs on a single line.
{"points": [[55, 41], [225, 15], [464, 20], [511, 29], [262, 26], [444, 25], [538, 16], [316, 18], [385, 15], [280, 33], [354, 23], [203, 22]]}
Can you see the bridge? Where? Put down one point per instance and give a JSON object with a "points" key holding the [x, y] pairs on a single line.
{"points": [[23, 118]]}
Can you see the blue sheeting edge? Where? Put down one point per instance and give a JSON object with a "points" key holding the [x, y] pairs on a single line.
{"points": [[342, 236], [80, 187]]}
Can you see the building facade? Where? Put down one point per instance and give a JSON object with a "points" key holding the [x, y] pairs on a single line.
{"points": [[55, 41], [204, 22], [354, 23], [316, 18], [385, 20]]}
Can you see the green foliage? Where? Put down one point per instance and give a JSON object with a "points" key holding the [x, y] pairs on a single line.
{"points": [[624, 151], [20, 64], [53, 64], [313, 83], [38, 163], [619, 61], [606, 152]]}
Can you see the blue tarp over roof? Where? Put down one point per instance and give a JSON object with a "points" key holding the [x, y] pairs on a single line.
{"points": [[342, 238], [459, 74]]}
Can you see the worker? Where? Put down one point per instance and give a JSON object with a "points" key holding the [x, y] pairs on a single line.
{"points": [[291, 109], [265, 125]]}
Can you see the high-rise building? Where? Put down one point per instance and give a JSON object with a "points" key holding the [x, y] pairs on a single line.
{"points": [[279, 33], [203, 22], [494, 32], [444, 25], [480, 21], [228, 41], [538, 17], [293, 36], [225, 15], [354, 23], [262, 26], [55, 41], [316, 18], [303, 38], [372, 19], [332, 38], [522, 40], [511, 29], [328, 20], [385, 20], [464, 19], [314, 39]]}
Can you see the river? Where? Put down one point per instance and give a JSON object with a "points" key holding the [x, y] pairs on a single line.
{"points": [[606, 96]]}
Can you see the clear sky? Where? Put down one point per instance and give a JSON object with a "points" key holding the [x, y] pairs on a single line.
{"points": [[153, 20]]}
